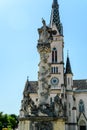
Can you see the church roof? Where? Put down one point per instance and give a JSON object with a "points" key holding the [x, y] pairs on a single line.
{"points": [[80, 84], [31, 86]]}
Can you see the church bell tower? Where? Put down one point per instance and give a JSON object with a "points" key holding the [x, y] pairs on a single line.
{"points": [[56, 56]]}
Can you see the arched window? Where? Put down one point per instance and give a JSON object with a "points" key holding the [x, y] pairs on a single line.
{"points": [[81, 106], [68, 81], [82, 125], [54, 70], [54, 55]]}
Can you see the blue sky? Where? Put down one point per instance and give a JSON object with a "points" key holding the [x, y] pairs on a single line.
{"points": [[19, 21]]}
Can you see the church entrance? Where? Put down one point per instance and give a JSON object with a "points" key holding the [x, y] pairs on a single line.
{"points": [[82, 127]]}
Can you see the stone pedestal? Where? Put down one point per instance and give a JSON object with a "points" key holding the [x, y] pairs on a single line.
{"points": [[42, 123]]}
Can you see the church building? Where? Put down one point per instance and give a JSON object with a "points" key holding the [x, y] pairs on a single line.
{"points": [[55, 101]]}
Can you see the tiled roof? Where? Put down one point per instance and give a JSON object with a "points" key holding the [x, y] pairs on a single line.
{"points": [[80, 84], [31, 86]]}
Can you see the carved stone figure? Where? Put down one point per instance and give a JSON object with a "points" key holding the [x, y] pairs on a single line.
{"points": [[44, 126], [45, 33], [58, 106]]}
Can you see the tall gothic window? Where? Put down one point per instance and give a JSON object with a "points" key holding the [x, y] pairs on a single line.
{"points": [[68, 81], [54, 70], [54, 55], [57, 70], [81, 106]]}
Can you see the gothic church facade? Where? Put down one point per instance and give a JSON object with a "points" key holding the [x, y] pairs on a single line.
{"points": [[55, 101]]}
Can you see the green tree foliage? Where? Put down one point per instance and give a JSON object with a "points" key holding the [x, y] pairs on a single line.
{"points": [[8, 121], [13, 119], [1, 120]]}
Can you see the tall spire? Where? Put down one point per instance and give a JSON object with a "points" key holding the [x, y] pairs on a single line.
{"points": [[55, 18], [68, 66], [55, 2]]}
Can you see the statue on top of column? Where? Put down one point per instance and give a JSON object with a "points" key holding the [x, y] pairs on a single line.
{"points": [[45, 33]]}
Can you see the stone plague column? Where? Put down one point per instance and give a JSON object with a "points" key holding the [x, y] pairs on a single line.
{"points": [[45, 38]]}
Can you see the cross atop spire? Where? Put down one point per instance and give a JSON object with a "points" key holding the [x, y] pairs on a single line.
{"points": [[55, 18], [27, 78]]}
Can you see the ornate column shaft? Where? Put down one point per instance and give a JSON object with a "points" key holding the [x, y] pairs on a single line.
{"points": [[44, 49]]}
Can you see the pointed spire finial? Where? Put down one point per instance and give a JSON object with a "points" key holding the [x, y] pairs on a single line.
{"points": [[55, 2], [55, 17], [68, 66], [67, 53]]}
